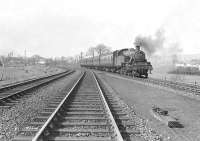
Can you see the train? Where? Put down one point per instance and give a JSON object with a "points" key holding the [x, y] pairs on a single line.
{"points": [[128, 61]]}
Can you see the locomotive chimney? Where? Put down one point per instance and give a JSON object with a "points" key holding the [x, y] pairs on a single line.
{"points": [[137, 47]]}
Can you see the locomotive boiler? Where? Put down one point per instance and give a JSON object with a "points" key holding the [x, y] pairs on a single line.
{"points": [[127, 61]]}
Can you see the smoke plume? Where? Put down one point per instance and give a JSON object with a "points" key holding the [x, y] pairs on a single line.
{"points": [[151, 44], [174, 49], [163, 52]]}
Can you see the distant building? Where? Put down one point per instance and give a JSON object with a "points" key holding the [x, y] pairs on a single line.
{"points": [[41, 62]]}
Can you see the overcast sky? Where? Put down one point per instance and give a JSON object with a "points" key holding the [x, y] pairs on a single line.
{"points": [[66, 27]]}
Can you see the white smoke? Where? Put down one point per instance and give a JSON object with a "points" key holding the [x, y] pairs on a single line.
{"points": [[162, 53]]}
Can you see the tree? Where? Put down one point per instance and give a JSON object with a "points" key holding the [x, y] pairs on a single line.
{"points": [[2, 65], [91, 52], [1, 62], [102, 49]]}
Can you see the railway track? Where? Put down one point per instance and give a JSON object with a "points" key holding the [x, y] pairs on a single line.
{"points": [[10, 94], [85, 113], [174, 85], [195, 89]]}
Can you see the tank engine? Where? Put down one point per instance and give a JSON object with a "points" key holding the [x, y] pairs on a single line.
{"points": [[127, 61]]}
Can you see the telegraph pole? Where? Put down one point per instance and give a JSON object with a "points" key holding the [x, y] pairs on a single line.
{"points": [[100, 52], [81, 57], [25, 56]]}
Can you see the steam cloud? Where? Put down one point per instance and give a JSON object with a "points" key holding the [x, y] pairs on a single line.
{"points": [[174, 49], [150, 44], [167, 52]]}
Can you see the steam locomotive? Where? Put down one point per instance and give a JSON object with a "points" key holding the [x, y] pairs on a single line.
{"points": [[127, 61]]}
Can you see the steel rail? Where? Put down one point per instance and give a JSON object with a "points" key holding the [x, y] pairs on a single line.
{"points": [[7, 85], [174, 85], [116, 129], [49, 79], [23, 82], [166, 83], [40, 132]]}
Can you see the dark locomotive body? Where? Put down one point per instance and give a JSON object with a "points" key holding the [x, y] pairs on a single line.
{"points": [[125, 61]]}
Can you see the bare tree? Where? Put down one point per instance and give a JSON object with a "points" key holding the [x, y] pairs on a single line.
{"points": [[2, 65], [102, 49], [91, 52], [5, 60]]}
